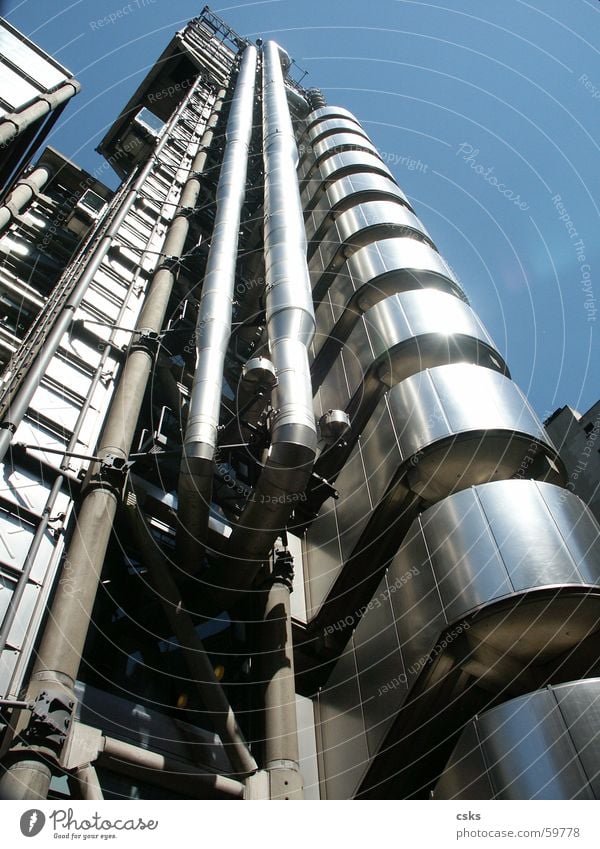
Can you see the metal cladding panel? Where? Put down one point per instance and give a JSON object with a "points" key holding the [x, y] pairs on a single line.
{"points": [[380, 450], [325, 113], [334, 393], [529, 751], [362, 224], [452, 399], [541, 555], [344, 750], [354, 506], [420, 312], [354, 357], [381, 675], [440, 329], [471, 546], [323, 557], [579, 704], [416, 603], [345, 188], [466, 775], [331, 126], [333, 168], [577, 528], [338, 142], [346, 193], [464, 556]]}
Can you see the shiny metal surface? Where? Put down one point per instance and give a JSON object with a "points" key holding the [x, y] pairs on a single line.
{"points": [[453, 595], [343, 748], [213, 327], [348, 192], [354, 228], [338, 143], [447, 428], [290, 325], [540, 746], [340, 165], [500, 435], [406, 334], [376, 271], [326, 113], [330, 127]]}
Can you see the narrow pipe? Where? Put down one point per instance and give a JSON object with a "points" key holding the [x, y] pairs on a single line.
{"points": [[65, 633], [290, 326], [213, 327], [22, 195]]}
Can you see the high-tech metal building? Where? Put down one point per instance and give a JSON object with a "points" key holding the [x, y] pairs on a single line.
{"points": [[276, 522]]}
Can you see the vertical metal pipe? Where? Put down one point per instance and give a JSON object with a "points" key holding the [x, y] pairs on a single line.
{"points": [[291, 326], [277, 671], [22, 194], [65, 633], [213, 328]]}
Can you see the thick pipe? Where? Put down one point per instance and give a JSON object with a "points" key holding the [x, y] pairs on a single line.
{"points": [[88, 784], [14, 123], [20, 403], [277, 671], [209, 688], [155, 768], [64, 636], [291, 326], [213, 328], [22, 195]]}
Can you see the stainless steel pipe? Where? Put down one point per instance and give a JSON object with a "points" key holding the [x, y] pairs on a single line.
{"points": [[213, 327]]}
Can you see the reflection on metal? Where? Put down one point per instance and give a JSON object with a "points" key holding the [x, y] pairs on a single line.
{"points": [[473, 597], [541, 746], [257, 333], [213, 327]]}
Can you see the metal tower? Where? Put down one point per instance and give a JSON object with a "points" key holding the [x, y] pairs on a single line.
{"points": [[276, 522]]}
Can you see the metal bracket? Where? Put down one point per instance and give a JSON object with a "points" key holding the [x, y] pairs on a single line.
{"points": [[51, 718], [169, 263]]}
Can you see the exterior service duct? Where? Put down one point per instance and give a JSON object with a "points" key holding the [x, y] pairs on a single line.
{"points": [[213, 327], [290, 325]]}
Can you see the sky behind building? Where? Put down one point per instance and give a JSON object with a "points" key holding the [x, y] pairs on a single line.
{"points": [[486, 113]]}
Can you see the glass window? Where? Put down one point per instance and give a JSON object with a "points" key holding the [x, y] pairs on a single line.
{"points": [[35, 66]]}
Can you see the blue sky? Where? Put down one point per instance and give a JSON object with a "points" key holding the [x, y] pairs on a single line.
{"points": [[488, 114]]}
